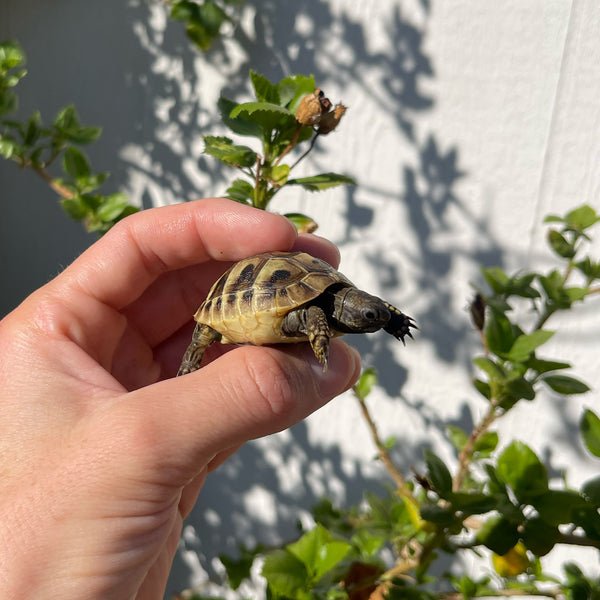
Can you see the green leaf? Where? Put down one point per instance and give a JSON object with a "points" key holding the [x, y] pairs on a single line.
{"points": [[319, 551], [438, 473], [525, 344], [265, 114], [590, 269], [438, 515], [184, 10], [472, 503], [113, 206], [557, 506], [590, 431], [285, 574], [498, 534], [11, 56], [239, 125], [226, 151], [545, 366], [277, 175], [9, 147], [522, 470], [316, 183], [591, 490], [75, 207], [34, 129], [519, 388], [560, 245], [499, 333], [264, 90], [582, 217], [493, 369], [457, 436], [293, 89], [486, 443], [362, 388], [75, 163], [483, 388], [496, 278], [239, 569], [240, 191], [563, 384], [539, 536], [303, 223]]}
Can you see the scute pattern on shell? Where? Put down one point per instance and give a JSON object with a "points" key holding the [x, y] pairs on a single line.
{"points": [[248, 303]]}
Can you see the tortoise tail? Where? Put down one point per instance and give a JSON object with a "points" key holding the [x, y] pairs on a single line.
{"points": [[399, 324]]}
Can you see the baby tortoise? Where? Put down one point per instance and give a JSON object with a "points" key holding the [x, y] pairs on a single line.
{"points": [[287, 297]]}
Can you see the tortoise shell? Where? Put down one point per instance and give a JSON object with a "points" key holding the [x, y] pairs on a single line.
{"points": [[250, 300]]}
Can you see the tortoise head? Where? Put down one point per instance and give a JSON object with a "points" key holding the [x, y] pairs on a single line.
{"points": [[355, 311]]}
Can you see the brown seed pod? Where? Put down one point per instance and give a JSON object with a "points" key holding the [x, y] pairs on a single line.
{"points": [[329, 121], [311, 108]]}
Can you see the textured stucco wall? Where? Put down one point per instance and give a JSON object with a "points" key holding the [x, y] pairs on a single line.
{"points": [[468, 122]]}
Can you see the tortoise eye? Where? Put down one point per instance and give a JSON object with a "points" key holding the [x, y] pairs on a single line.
{"points": [[369, 314]]}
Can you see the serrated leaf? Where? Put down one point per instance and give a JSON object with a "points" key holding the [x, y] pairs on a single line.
{"points": [[240, 191], [265, 114], [292, 89], [557, 506], [264, 90], [316, 183], [226, 151], [498, 534], [238, 125], [590, 431], [522, 470], [75, 163], [525, 344], [563, 384], [34, 129], [362, 388], [75, 208], [438, 473], [285, 574]]}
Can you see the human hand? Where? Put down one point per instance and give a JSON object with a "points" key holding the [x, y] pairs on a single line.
{"points": [[103, 452]]}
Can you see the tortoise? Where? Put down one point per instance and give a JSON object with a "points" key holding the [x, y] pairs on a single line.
{"points": [[287, 297]]}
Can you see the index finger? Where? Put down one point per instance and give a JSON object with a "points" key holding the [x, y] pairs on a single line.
{"points": [[121, 265]]}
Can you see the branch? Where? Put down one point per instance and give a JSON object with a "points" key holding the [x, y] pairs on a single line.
{"points": [[41, 172], [466, 454]]}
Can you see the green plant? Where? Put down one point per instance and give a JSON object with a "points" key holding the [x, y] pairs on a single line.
{"points": [[203, 20], [36, 146], [499, 497], [284, 116]]}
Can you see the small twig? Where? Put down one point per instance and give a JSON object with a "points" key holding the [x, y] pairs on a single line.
{"points": [[41, 172], [290, 146], [466, 454], [312, 144], [384, 455]]}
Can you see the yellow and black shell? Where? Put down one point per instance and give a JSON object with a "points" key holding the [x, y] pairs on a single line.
{"points": [[250, 300]]}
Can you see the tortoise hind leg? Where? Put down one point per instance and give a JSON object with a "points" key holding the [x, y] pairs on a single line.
{"points": [[399, 324], [202, 338]]}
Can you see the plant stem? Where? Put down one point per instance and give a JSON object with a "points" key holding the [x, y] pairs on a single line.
{"points": [[312, 144], [384, 455], [41, 172], [466, 454], [290, 146]]}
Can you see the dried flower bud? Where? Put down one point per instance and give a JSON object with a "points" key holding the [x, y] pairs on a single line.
{"points": [[329, 121], [477, 308], [310, 109]]}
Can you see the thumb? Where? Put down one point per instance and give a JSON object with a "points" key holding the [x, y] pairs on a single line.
{"points": [[247, 393]]}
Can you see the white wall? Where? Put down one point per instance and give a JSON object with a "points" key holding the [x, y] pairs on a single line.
{"points": [[468, 122]]}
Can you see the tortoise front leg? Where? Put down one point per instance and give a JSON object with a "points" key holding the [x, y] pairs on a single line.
{"points": [[399, 324], [202, 338], [311, 322]]}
